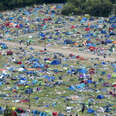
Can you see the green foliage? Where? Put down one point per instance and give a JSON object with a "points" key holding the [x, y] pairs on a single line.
{"points": [[6, 4], [113, 1], [92, 7]]}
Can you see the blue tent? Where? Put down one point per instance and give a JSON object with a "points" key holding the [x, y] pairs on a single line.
{"points": [[100, 97], [29, 91], [112, 33], [80, 86], [49, 77], [34, 112], [34, 81], [55, 70], [55, 62], [72, 88], [108, 41], [30, 72], [26, 13], [58, 6], [68, 33], [89, 81], [114, 70], [112, 19], [1, 83], [1, 110], [36, 65], [42, 114], [90, 44], [84, 19], [21, 25], [68, 41], [103, 73], [113, 25], [3, 46], [103, 32], [60, 114], [42, 34], [69, 72], [91, 111], [83, 70], [101, 21]]}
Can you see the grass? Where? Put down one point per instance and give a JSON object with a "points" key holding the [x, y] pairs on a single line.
{"points": [[3, 60]]}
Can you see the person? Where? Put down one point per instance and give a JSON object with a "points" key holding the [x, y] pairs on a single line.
{"points": [[20, 42], [45, 49], [7, 111], [77, 114], [28, 42], [83, 108]]}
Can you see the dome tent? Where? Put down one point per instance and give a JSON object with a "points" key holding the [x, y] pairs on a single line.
{"points": [[100, 97], [9, 52], [56, 62]]}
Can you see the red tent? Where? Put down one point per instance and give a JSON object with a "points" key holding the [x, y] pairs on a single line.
{"points": [[87, 29], [77, 57], [54, 113], [72, 27], [17, 26], [114, 85], [19, 62], [91, 48]]}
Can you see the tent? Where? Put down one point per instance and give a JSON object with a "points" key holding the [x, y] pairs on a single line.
{"points": [[114, 42], [80, 86], [91, 48], [112, 19], [56, 62], [3, 46], [9, 53], [100, 97], [114, 84], [35, 112], [82, 70], [113, 25], [54, 113], [72, 88], [87, 29], [90, 110], [67, 41], [29, 91]]}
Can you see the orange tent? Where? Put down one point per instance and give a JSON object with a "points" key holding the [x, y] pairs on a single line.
{"points": [[114, 42], [33, 69], [75, 44]]}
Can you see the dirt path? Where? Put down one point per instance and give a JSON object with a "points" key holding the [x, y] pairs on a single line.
{"points": [[64, 50]]}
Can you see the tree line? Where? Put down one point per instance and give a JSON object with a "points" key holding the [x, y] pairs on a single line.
{"points": [[76, 7], [10, 4], [92, 7]]}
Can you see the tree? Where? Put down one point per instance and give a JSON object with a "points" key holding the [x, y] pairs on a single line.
{"points": [[113, 1], [5, 4], [92, 7]]}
